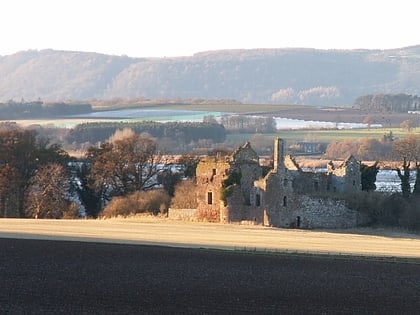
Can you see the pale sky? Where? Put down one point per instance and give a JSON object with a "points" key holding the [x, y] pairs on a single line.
{"points": [[158, 28]]}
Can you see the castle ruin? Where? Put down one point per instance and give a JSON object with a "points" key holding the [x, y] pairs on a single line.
{"points": [[232, 189]]}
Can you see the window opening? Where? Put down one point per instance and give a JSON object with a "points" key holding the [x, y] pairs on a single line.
{"points": [[257, 200]]}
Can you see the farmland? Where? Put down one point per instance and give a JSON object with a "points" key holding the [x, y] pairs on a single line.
{"points": [[322, 135], [388, 122], [115, 266], [153, 231]]}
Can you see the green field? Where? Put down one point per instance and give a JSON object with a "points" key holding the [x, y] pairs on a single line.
{"points": [[324, 135], [277, 110]]}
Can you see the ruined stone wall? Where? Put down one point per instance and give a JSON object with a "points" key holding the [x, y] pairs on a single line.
{"points": [[285, 197], [249, 173], [347, 177], [290, 163], [311, 213], [182, 214], [231, 212], [306, 182], [285, 207], [273, 190], [245, 154], [237, 211], [210, 175], [257, 198], [303, 211]]}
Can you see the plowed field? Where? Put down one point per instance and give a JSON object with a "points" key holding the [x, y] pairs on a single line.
{"points": [[89, 275]]}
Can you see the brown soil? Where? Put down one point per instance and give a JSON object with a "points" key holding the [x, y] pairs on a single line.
{"points": [[50, 277]]}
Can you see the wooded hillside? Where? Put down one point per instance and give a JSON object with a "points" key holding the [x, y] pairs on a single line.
{"points": [[292, 76]]}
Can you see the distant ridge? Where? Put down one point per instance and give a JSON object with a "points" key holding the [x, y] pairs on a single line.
{"points": [[289, 75]]}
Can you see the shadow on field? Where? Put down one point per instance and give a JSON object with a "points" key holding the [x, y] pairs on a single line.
{"points": [[50, 277], [380, 232]]}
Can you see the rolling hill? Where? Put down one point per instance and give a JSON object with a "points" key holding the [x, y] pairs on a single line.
{"points": [[293, 76]]}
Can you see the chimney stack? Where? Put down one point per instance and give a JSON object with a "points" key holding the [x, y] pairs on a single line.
{"points": [[278, 153]]}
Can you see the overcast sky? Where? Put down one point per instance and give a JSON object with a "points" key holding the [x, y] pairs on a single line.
{"points": [[147, 28]]}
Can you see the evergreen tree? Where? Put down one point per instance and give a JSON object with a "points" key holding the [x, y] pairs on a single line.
{"points": [[368, 176]]}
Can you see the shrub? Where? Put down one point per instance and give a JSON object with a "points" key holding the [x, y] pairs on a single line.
{"points": [[152, 201], [120, 206], [410, 216], [392, 208], [387, 209], [185, 196], [72, 212], [367, 202]]}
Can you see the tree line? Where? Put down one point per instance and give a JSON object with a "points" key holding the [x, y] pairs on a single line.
{"points": [[248, 123], [128, 174], [184, 132], [25, 162], [39, 109], [389, 102], [40, 180]]}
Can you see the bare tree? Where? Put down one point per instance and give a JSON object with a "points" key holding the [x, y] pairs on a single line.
{"points": [[48, 193], [190, 162], [121, 134], [23, 152], [368, 120], [124, 166], [407, 125], [408, 149]]}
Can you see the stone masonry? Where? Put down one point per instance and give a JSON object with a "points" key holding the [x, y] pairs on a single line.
{"points": [[232, 189]]}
